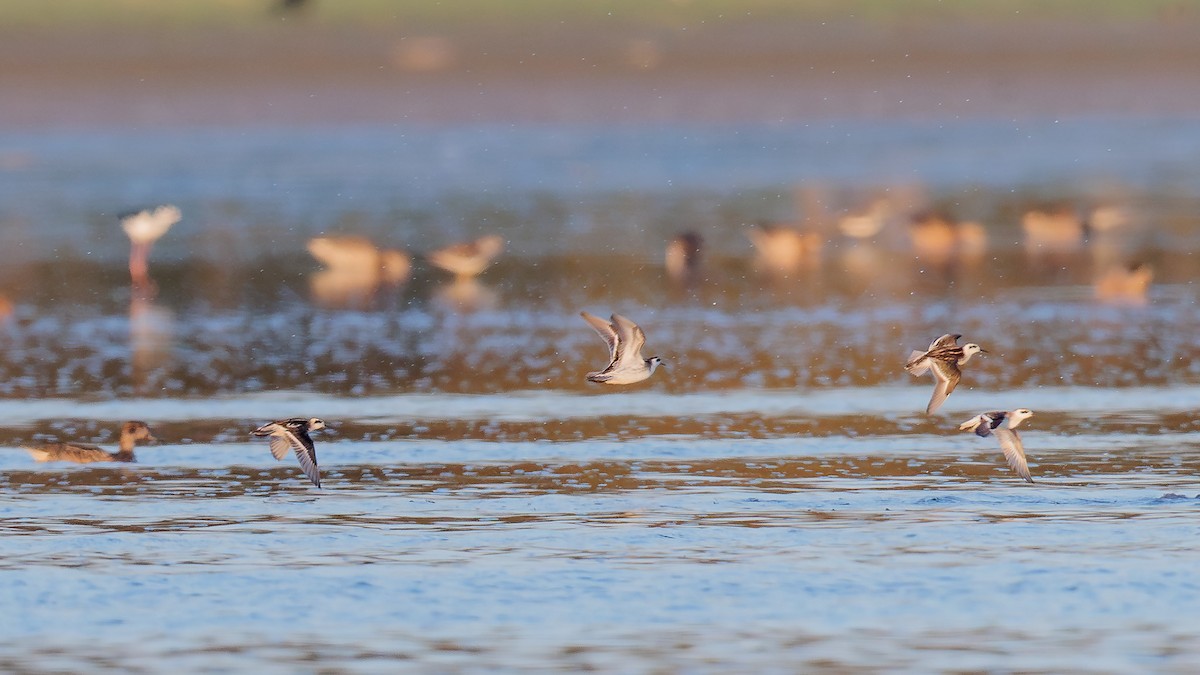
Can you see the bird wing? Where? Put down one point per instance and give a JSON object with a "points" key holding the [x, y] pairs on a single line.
{"points": [[946, 377], [81, 453], [947, 340], [305, 452], [977, 425], [607, 332], [308, 461], [280, 446], [288, 435], [1014, 451], [266, 429], [631, 339], [985, 422]]}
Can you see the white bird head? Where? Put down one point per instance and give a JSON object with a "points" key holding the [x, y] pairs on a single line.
{"points": [[653, 362], [315, 424], [971, 349], [1017, 416]]}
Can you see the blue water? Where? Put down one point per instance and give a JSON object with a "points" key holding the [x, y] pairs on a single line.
{"points": [[264, 190], [774, 501], [511, 561]]}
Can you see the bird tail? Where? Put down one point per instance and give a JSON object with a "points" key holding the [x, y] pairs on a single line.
{"points": [[917, 363], [970, 424]]}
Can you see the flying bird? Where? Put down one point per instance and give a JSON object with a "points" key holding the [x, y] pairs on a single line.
{"points": [[625, 340], [293, 434], [988, 424], [945, 360]]}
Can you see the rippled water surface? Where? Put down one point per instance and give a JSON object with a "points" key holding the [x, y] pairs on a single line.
{"points": [[775, 500]]}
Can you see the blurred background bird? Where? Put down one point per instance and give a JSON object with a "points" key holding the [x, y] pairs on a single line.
{"points": [[356, 270], [783, 250], [684, 258], [144, 228], [468, 259], [1124, 284]]}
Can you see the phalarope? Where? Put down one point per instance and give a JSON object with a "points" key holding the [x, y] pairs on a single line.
{"points": [[1054, 230], [866, 222], [85, 453], [625, 340], [144, 228], [359, 256], [784, 250], [356, 271], [1124, 285], [988, 423], [939, 239], [293, 434], [683, 258], [944, 359], [468, 259]]}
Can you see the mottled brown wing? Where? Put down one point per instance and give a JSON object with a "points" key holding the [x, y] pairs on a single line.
{"points": [[947, 340], [946, 376]]}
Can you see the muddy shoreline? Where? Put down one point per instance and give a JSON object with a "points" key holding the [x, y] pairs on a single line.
{"points": [[573, 73]]}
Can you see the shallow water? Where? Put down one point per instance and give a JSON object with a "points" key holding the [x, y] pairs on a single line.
{"points": [[774, 501]]}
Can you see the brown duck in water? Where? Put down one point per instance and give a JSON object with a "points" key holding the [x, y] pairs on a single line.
{"points": [[84, 453]]}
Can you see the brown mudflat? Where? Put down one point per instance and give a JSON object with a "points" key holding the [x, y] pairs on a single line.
{"points": [[685, 70]]}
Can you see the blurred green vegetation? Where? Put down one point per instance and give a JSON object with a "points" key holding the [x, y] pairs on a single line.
{"points": [[449, 13]]}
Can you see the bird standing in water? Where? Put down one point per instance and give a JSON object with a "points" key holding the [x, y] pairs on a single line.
{"points": [[468, 259], [144, 228]]}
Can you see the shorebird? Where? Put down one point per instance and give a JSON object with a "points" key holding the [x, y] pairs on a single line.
{"points": [[988, 423], [468, 259], [144, 228], [355, 271], [85, 453], [867, 222], [784, 250], [1053, 230], [293, 434], [359, 256], [1124, 285], [683, 257], [625, 340], [944, 359], [939, 239]]}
